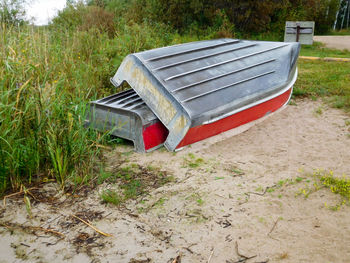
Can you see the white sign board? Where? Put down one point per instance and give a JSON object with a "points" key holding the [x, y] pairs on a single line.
{"points": [[299, 31]]}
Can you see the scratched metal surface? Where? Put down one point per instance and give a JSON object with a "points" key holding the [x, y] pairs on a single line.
{"points": [[124, 114], [211, 78], [127, 100], [201, 82]]}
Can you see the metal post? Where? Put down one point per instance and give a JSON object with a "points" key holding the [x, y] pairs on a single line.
{"points": [[298, 32]]}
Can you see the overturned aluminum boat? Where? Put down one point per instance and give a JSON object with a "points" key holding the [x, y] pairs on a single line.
{"points": [[185, 93]]}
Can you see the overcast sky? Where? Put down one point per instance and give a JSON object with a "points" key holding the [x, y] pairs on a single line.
{"points": [[44, 10]]}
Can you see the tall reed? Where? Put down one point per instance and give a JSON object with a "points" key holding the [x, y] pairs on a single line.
{"points": [[45, 82], [47, 77]]}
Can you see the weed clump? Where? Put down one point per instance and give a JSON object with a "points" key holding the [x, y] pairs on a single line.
{"points": [[326, 179], [192, 161], [110, 196], [339, 186], [132, 182]]}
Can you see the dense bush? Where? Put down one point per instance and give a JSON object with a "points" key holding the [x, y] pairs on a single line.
{"points": [[247, 17], [82, 17], [323, 12], [226, 17]]}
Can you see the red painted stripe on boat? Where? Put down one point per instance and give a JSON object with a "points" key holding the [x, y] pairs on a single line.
{"points": [[202, 132], [154, 135]]}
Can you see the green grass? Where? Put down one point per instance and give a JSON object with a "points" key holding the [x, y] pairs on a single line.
{"points": [[237, 171], [131, 182], [324, 79], [319, 50], [343, 32], [110, 196], [299, 179], [196, 198], [160, 202], [104, 176], [192, 161], [318, 111], [219, 177], [200, 201]]}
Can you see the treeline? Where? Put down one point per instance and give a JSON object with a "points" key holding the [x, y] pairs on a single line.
{"points": [[244, 16], [226, 17]]}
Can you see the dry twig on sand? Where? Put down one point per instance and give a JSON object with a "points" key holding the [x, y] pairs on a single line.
{"points": [[273, 228], [48, 231], [18, 193], [211, 254], [242, 258], [33, 228], [94, 228], [263, 193], [177, 259]]}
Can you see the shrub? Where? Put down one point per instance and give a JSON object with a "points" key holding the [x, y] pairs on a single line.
{"points": [[82, 17]]}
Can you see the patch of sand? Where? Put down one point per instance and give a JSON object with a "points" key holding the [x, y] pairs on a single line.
{"points": [[212, 206], [337, 42]]}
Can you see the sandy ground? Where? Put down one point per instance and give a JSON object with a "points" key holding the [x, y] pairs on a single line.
{"points": [[337, 42], [228, 207]]}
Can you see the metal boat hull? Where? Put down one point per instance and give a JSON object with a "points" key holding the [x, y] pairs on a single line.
{"points": [[258, 111], [189, 92], [125, 115]]}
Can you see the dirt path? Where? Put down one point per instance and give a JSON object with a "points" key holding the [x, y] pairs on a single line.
{"points": [[337, 42], [229, 192]]}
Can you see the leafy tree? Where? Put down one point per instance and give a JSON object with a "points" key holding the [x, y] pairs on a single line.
{"points": [[12, 11], [343, 15], [79, 16]]}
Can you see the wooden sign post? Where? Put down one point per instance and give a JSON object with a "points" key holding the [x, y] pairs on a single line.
{"points": [[299, 31]]}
